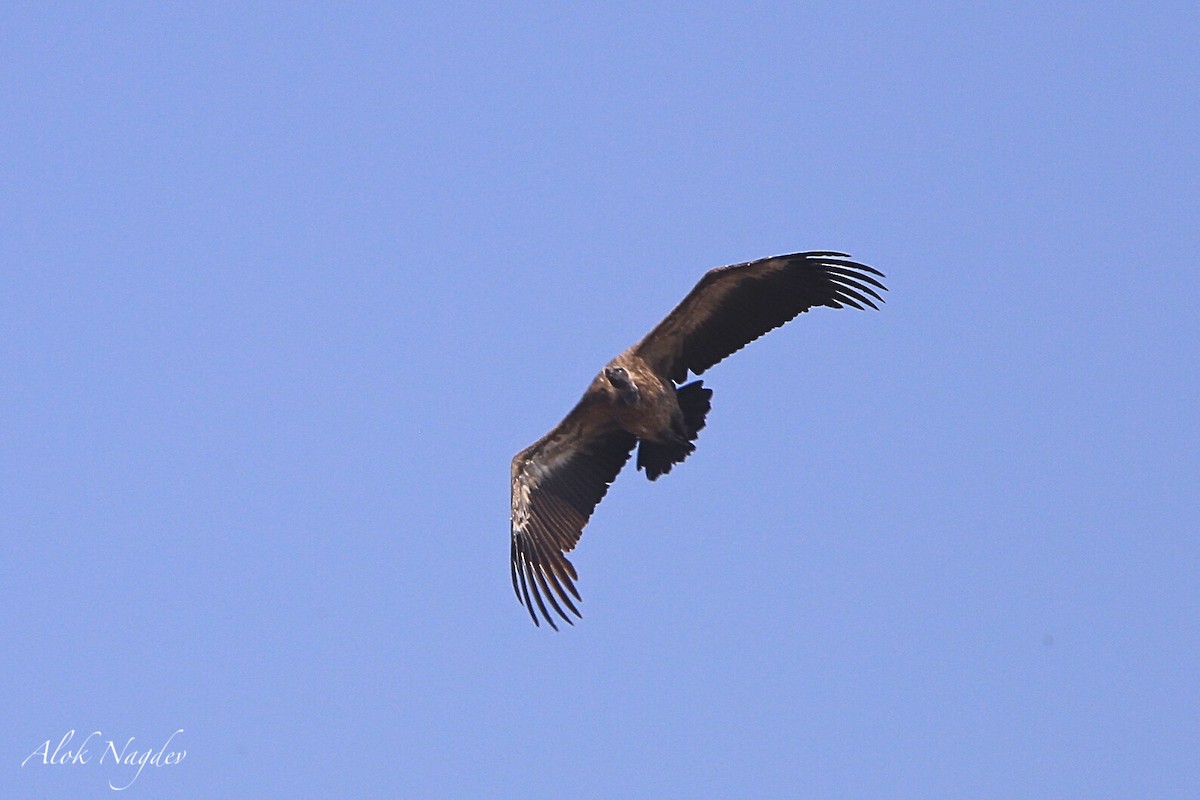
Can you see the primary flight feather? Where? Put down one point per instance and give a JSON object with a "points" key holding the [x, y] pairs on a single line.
{"points": [[635, 402]]}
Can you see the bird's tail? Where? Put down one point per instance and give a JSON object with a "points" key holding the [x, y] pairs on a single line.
{"points": [[658, 458]]}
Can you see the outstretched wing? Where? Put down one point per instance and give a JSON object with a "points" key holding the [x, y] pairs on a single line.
{"points": [[732, 306], [556, 483]]}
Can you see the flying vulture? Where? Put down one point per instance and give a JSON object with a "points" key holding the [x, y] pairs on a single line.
{"points": [[636, 401]]}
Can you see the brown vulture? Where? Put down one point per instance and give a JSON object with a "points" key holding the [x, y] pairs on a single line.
{"points": [[635, 401]]}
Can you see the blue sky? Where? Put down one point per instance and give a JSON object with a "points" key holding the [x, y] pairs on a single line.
{"points": [[286, 286]]}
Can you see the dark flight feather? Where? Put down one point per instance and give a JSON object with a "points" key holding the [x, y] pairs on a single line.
{"points": [[732, 306], [556, 483]]}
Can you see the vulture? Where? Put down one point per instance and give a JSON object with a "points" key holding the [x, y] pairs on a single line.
{"points": [[637, 400]]}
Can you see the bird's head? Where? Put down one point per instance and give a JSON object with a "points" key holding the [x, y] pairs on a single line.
{"points": [[620, 380]]}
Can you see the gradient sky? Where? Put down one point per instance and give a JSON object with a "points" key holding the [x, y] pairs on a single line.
{"points": [[285, 286]]}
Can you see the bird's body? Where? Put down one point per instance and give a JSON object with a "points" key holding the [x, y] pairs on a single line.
{"points": [[653, 412], [635, 401]]}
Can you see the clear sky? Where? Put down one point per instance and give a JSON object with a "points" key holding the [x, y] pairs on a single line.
{"points": [[285, 286]]}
